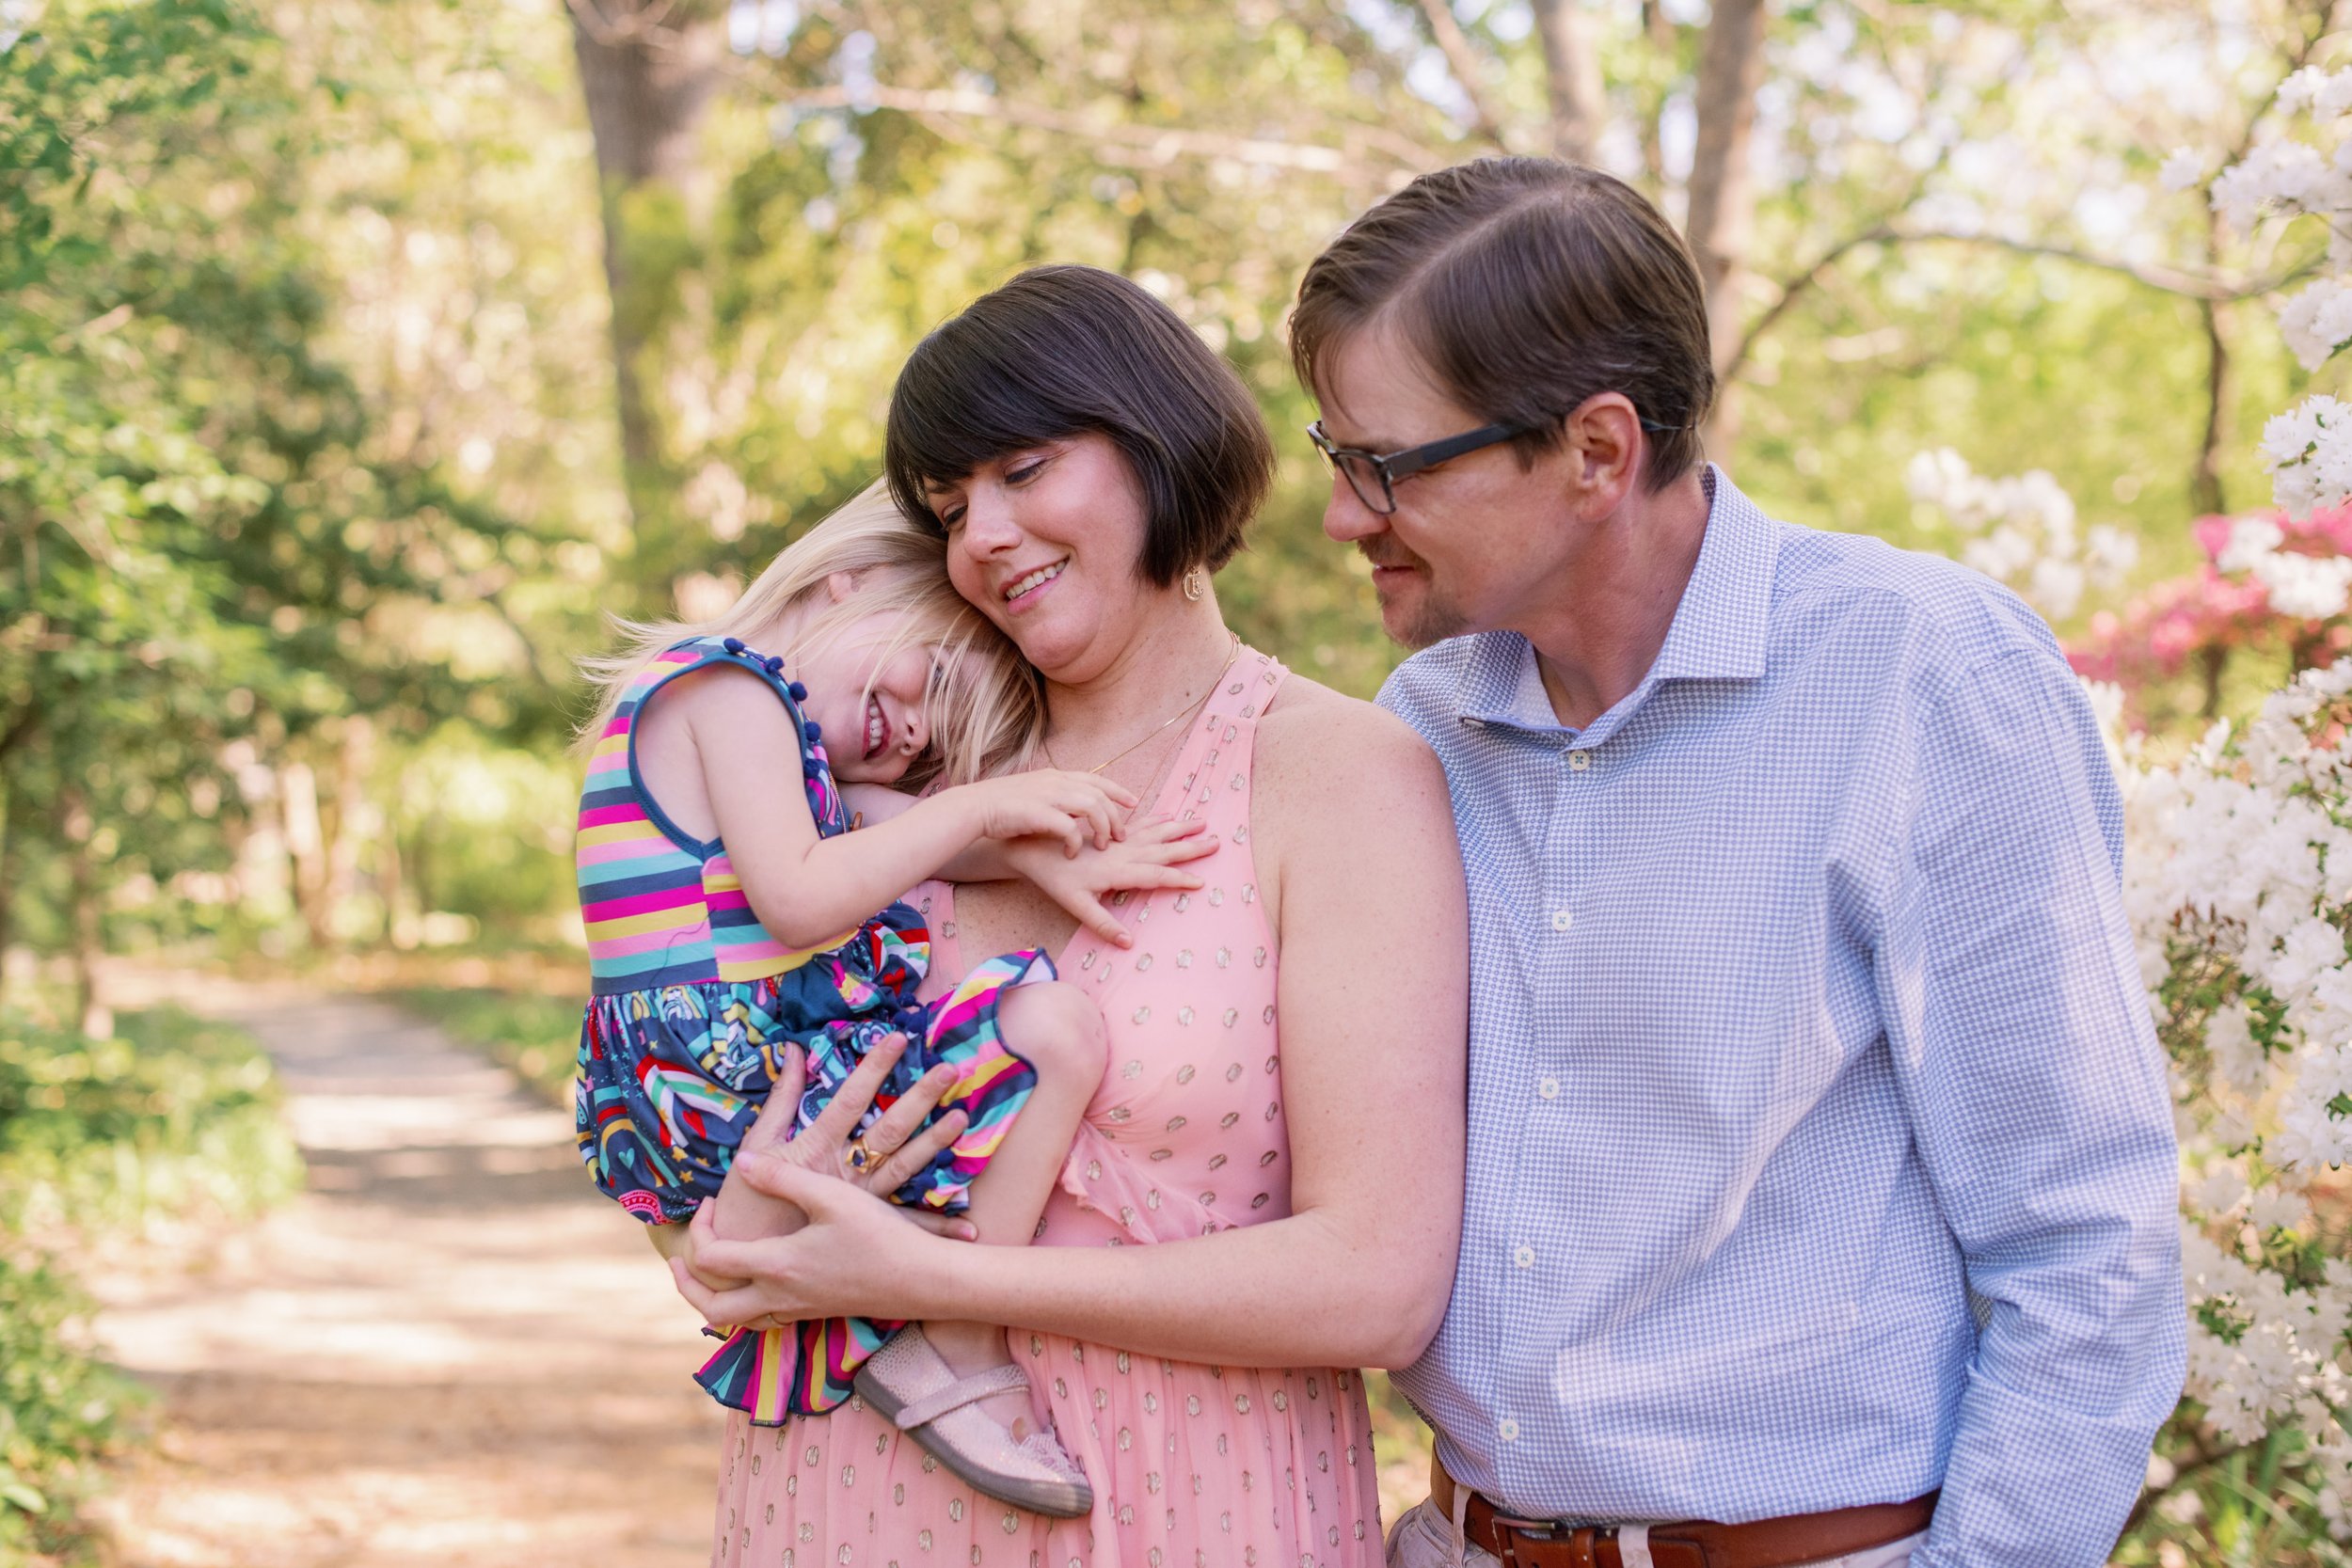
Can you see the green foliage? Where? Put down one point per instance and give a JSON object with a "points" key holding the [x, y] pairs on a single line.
{"points": [[536, 1036], [62, 1414], [175, 1119], [215, 551]]}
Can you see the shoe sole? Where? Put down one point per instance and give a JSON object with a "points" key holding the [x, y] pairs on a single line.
{"points": [[1052, 1500]]}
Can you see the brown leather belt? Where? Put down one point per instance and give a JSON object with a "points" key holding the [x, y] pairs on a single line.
{"points": [[1784, 1542]]}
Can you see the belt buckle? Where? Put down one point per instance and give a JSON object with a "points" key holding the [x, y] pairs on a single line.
{"points": [[1582, 1541]]}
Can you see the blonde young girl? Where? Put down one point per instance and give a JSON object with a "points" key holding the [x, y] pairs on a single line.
{"points": [[733, 918]]}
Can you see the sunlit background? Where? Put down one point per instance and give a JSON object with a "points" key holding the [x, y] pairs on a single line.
{"points": [[360, 359], [347, 402]]}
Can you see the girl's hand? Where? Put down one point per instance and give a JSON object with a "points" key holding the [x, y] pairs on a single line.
{"points": [[1145, 860], [1073, 809]]}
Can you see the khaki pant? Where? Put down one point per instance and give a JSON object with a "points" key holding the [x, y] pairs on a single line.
{"points": [[1425, 1538]]}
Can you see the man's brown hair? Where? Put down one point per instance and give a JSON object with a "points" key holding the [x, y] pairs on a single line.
{"points": [[1526, 286]]}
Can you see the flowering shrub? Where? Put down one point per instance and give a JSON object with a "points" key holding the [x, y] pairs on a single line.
{"points": [[2021, 531], [2271, 582], [2239, 888]]}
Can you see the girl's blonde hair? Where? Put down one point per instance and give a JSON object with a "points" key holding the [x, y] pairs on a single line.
{"points": [[987, 709]]}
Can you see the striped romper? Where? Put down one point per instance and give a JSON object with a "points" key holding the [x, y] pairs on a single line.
{"points": [[694, 1003]]}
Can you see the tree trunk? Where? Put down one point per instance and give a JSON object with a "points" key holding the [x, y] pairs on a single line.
{"points": [[91, 1015], [306, 842], [12, 830], [11, 873], [647, 70], [355, 818], [2205, 494], [1659, 29], [1722, 213], [1572, 76]]}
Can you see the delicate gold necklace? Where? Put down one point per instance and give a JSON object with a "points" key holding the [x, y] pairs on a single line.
{"points": [[1180, 714]]}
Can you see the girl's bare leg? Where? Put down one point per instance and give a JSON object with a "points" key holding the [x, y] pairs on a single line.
{"points": [[1059, 1031]]}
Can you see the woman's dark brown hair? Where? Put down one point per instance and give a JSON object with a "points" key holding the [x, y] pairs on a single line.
{"points": [[1526, 286], [1061, 351]]}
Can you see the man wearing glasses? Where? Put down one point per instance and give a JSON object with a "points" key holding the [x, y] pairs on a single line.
{"points": [[1821, 1184]]}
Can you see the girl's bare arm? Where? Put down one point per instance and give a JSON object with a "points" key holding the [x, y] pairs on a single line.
{"points": [[810, 891]]}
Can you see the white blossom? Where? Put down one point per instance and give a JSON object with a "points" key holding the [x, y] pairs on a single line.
{"points": [[2306, 585], [2250, 539], [2021, 530], [2309, 455], [2185, 170], [2318, 321]]}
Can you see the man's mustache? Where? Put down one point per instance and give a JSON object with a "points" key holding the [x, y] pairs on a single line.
{"points": [[1386, 558]]}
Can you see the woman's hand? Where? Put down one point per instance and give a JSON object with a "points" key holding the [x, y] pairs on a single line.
{"points": [[893, 1150], [1073, 809], [1145, 860], [853, 1255]]}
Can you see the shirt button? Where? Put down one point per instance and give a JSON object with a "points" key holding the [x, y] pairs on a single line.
{"points": [[1562, 920], [1579, 761], [1549, 1088], [1507, 1429], [1524, 1256]]}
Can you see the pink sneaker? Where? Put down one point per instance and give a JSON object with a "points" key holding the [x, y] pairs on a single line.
{"points": [[908, 1383]]}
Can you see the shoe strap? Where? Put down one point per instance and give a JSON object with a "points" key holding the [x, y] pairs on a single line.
{"points": [[1003, 1379]]}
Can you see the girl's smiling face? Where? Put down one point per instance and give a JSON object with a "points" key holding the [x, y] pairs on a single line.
{"points": [[871, 700]]}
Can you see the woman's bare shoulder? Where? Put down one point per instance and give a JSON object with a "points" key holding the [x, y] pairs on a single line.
{"points": [[1332, 756], [1314, 728], [1351, 808]]}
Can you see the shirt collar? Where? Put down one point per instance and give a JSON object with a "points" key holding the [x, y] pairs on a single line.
{"points": [[1719, 631]]}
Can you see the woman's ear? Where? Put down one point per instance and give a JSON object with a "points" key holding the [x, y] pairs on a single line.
{"points": [[840, 585]]}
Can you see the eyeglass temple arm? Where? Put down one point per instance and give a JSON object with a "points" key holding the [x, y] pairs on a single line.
{"points": [[1435, 453]]}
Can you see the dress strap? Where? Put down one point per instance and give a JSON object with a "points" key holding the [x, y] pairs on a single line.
{"points": [[1249, 688], [700, 653]]}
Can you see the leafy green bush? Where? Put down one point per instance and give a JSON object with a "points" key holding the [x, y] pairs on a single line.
{"points": [[175, 1117], [174, 1120], [536, 1036], [62, 1413]]}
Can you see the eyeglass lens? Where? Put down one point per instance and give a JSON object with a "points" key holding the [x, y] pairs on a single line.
{"points": [[1366, 478]]}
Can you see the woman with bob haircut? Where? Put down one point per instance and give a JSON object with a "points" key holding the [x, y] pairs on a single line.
{"points": [[1266, 1191]]}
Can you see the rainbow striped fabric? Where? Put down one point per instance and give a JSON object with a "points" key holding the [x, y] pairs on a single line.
{"points": [[696, 1007], [663, 908]]}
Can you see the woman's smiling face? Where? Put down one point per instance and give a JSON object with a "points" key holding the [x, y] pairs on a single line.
{"points": [[1045, 542]]}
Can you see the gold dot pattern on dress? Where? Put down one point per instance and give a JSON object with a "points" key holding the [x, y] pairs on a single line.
{"points": [[1185, 1137]]}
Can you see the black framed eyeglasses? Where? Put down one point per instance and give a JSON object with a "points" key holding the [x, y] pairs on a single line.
{"points": [[1374, 475]]}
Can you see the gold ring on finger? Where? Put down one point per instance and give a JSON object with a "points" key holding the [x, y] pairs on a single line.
{"points": [[863, 1157]]}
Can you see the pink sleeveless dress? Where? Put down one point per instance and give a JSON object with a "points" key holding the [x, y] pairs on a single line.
{"points": [[1192, 1466]]}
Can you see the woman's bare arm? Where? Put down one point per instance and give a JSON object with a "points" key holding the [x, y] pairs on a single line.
{"points": [[1373, 994]]}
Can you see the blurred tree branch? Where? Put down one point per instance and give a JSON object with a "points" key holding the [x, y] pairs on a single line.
{"points": [[1572, 76], [2215, 289], [1156, 144], [1468, 69], [2188, 285]]}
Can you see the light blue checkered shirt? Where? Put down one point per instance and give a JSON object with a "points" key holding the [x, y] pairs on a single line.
{"points": [[1820, 1152]]}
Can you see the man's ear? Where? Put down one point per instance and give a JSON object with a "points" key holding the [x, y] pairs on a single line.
{"points": [[1604, 445], [840, 585]]}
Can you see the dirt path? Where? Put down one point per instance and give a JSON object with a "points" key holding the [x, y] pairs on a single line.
{"points": [[449, 1352]]}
